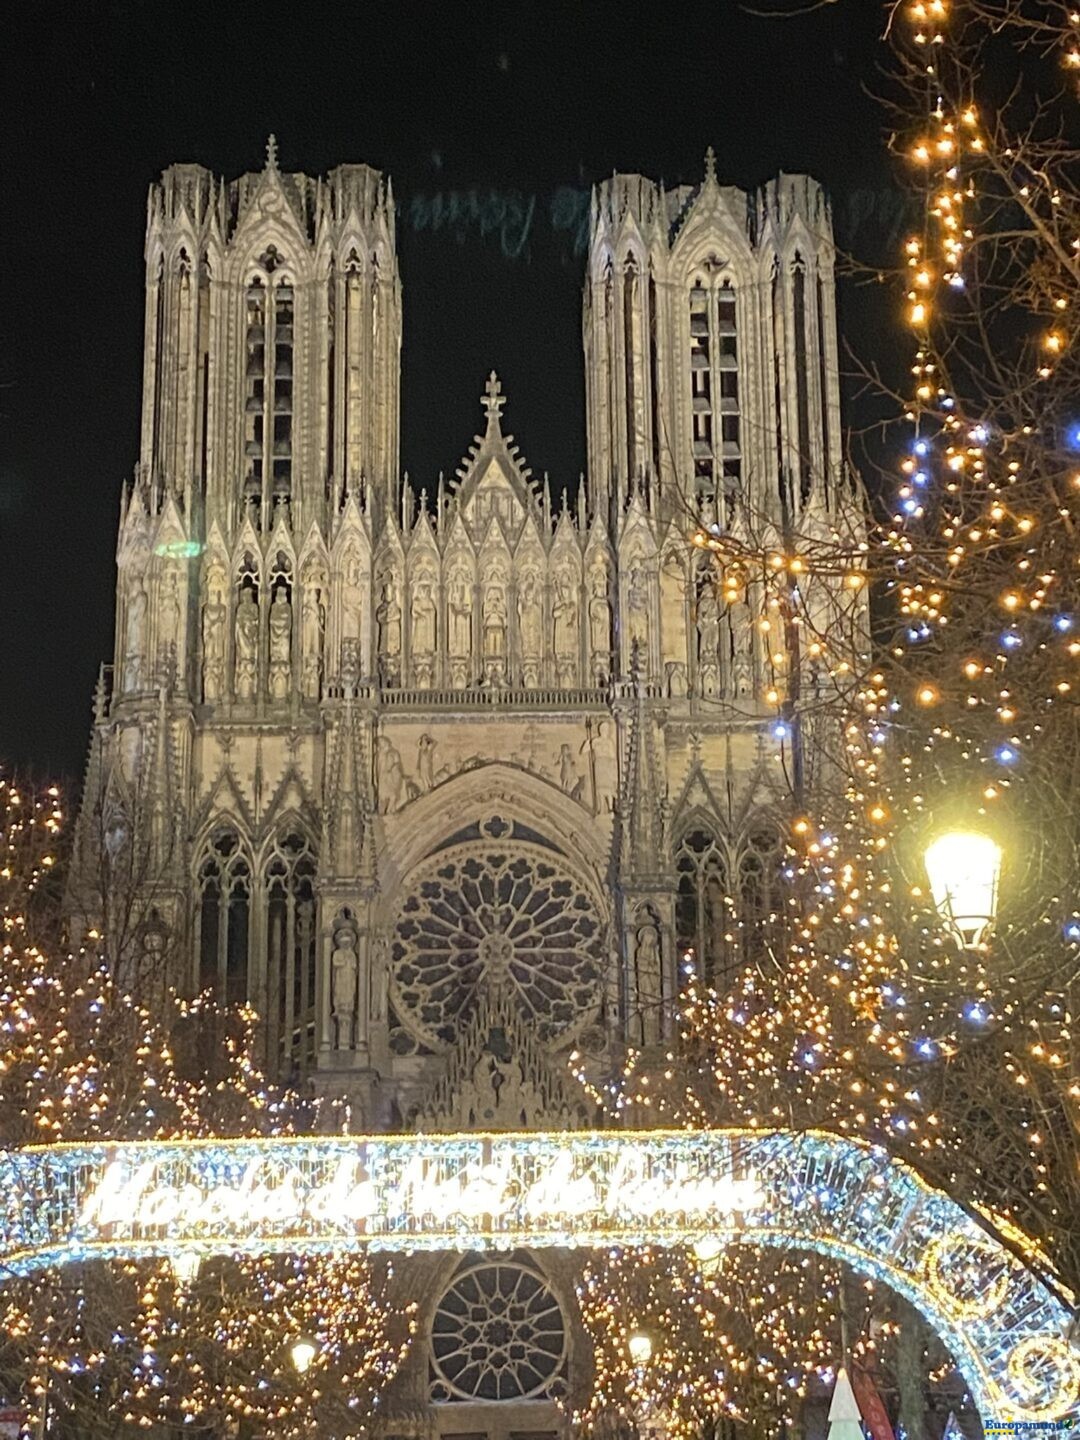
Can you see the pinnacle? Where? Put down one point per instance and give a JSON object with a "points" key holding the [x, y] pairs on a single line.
{"points": [[493, 401], [710, 166], [272, 153]]}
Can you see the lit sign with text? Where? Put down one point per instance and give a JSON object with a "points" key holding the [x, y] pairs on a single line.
{"points": [[1006, 1328]]}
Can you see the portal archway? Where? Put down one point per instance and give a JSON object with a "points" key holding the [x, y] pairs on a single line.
{"points": [[1006, 1329]]}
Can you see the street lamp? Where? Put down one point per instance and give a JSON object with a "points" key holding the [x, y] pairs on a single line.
{"points": [[707, 1253], [302, 1352], [964, 868], [640, 1347]]}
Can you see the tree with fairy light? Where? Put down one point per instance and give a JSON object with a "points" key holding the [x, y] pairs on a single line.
{"points": [[867, 1008], [103, 1348]]}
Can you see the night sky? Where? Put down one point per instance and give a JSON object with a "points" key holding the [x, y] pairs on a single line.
{"points": [[514, 109]]}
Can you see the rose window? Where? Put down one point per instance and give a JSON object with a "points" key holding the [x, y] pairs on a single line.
{"points": [[497, 906], [498, 1334]]}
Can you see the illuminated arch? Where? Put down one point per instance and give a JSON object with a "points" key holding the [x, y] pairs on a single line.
{"points": [[1006, 1328]]}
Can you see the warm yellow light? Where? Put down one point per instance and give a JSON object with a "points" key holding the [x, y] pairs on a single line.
{"points": [[964, 868], [302, 1352], [640, 1347]]}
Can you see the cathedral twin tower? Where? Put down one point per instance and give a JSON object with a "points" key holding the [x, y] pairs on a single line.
{"points": [[390, 765]]}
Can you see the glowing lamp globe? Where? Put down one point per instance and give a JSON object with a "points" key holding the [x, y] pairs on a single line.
{"points": [[707, 1253], [302, 1352], [640, 1347], [964, 869]]}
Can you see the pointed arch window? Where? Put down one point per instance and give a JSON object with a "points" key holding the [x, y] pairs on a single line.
{"points": [[223, 917], [729, 907], [289, 894], [715, 400], [268, 390]]}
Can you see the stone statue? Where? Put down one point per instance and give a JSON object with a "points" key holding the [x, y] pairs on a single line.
{"points": [[564, 618], [351, 596], [708, 627], [425, 761], [637, 627], [247, 644], [135, 639], [530, 618], [391, 776], [344, 974], [213, 647], [600, 611], [460, 617], [168, 612], [567, 768], [280, 644], [389, 617], [648, 980], [380, 977], [424, 632], [494, 623], [312, 629]]}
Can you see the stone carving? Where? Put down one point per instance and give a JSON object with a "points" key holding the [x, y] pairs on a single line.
{"points": [[648, 984], [213, 647], [312, 630], [135, 639], [280, 644], [494, 619], [352, 590], [708, 628], [530, 627], [424, 631], [168, 613], [425, 761], [344, 975], [564, 617], [637, 618], [389, 618], [460, 617], [676, 679], [380, 977], [390, 775], [247, 644], [599, 622]]}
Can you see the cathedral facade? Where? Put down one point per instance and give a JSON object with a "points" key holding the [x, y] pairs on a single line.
{"points": [[448, 782]]}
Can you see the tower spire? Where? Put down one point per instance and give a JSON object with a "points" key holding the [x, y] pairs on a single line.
{"points": [[272, 153]]}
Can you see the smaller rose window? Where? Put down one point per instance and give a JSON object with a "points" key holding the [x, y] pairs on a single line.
{"points": [[498, 1334]]}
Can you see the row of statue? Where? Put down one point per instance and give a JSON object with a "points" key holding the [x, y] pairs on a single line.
{"points": [[493, 634]]}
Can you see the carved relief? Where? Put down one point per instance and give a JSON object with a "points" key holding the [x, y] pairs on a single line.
{"points": [[530, 609], [388, 618], [564, 617], [312, 632], [344, 986]]}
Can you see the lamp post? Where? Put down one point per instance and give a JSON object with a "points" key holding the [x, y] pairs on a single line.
{"points": [[964, 868]]}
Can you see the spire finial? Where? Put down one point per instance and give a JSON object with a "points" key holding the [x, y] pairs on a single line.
{"points": [[493, 402], [271, 153], [710, 166]]}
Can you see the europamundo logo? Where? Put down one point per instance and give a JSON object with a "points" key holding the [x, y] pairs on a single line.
{"points": [[1032, 1427]]}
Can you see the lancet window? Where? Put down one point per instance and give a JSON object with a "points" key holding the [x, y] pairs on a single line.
{"points": [[289, 895], [729, 910], [268, 391], [716, 417], [223, 918]]}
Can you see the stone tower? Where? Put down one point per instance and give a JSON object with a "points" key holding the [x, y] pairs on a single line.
{"points": [[448, 782]]}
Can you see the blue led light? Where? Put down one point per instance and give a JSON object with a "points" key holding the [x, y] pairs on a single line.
{"points": [[927, 1048], [921, 447], [1063, 623], [976, 1012], [1006, 755], [1011, 639], [1072, 930]]}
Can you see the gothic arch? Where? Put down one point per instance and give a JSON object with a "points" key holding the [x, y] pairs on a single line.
{"points": [[496, 788]]}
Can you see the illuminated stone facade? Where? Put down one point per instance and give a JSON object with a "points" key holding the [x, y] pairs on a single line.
{"points": [[444, 781]]}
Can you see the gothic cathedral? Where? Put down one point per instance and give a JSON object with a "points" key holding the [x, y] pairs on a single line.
{"points": [[450, 783]]}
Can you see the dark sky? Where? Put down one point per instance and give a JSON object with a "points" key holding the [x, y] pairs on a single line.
{"points": [[514, 108]]}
